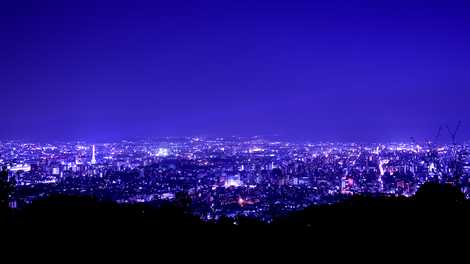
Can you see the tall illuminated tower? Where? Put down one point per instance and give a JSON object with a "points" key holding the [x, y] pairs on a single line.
{"points": [[93, 157]]}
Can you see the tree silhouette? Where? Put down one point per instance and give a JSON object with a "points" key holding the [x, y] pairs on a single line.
{"points": [[183, 201], [5, 188], [439, 195]]}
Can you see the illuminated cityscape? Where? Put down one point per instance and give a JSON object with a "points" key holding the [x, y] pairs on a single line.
{"points": [[337, 120], [253, 177]]}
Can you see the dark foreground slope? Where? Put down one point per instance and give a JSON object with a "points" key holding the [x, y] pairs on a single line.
{"points": [[435, 210]]}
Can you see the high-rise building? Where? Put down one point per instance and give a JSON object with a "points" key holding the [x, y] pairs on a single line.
{"points": [[93, 157]]}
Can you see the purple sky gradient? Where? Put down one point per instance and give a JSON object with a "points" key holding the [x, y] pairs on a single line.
{"points": [[337, 70]]}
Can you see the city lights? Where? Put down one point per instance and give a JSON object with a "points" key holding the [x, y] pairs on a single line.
{"points": [[247, 177]]}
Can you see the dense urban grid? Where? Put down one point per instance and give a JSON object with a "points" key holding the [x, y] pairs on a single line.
{"points": [[254, 177]]}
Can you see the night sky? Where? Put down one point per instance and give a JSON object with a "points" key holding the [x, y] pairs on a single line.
{"points": [[337, 70]]}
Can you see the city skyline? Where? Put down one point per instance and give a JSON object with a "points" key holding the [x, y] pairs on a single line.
{"points": [[443, 140], [254, 177], [172, 122]]}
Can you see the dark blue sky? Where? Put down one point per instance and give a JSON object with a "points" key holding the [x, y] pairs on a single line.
{"points": [[337, 70]]}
